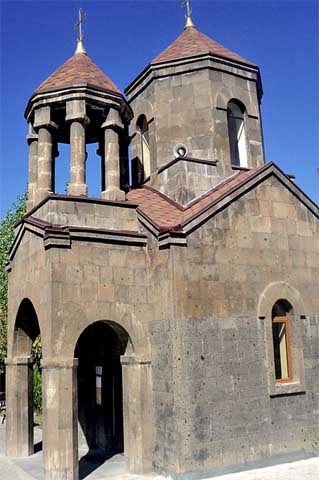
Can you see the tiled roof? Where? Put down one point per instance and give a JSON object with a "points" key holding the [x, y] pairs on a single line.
{"points": [[192, 42], [168, 215], [79, 70]]}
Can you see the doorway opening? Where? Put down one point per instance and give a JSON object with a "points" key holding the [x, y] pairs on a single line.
{"points": [[100, 394], [27, 343]]}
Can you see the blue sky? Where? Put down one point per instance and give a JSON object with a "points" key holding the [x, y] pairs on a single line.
{"points": [[122, 37]]}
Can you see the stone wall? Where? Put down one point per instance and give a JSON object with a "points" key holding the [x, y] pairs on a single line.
{"points": [[189, 106], [228, 409], [199, 388]]}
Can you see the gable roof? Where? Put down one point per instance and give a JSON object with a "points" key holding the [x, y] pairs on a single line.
{"points": [[192, 42], [77, 71], [165, 215]]}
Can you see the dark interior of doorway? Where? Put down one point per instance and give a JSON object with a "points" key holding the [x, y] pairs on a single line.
{"points": [[100, 397]]}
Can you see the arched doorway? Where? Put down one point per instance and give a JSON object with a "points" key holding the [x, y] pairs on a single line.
{"points": [[19, 368], [100, 395]]}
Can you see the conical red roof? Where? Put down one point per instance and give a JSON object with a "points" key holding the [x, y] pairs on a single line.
{"points": [[78, 71], [191, 42]]}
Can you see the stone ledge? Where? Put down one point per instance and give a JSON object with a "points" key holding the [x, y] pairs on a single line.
{"points": [[15, 361], [59, 363]]}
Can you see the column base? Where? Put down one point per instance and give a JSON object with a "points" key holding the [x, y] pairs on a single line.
{"points": [[114, 194], [41, 194], [77, 189]]}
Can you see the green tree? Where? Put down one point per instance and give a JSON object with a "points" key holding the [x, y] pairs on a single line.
{"points": [[15, 214], [37, 377]]}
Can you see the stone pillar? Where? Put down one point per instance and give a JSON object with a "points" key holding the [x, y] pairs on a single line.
{"points": [[32, 139], [77, 185], [60, 416], [44, 127], [76, 115], [111, 169], [137, 413], [19, 403]]}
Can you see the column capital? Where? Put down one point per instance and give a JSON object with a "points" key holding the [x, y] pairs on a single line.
{"points": [[76, 111], [49, 125], [111, 124], [42, 119], [83, 119], [59, 362], [16, 361], [113, 121], [32, 137]]}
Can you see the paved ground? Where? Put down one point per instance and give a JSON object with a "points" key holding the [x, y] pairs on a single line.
{"points": [[30, 468]]}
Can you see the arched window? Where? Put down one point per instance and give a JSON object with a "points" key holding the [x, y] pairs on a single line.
{"points": [[236, 133], [142, 127], [282, 342]]}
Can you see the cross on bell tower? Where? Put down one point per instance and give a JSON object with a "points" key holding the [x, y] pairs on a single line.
{"points": [[79, 25], [188, 14]]}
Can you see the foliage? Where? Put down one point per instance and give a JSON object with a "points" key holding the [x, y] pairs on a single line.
{"points": [[37, 389], [15, 214], [37, 375]]}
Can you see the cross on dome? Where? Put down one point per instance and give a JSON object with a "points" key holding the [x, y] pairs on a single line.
{"points": [[79, 25], [188, 14]]}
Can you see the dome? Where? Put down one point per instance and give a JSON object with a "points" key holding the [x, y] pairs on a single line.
{"points": [[191, 43], [77, 71]]}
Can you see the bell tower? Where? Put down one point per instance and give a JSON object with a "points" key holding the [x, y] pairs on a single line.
{"points": [[201, 104], [77, 105]]}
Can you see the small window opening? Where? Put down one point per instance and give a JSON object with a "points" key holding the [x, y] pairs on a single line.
{"points": [[142, 126], [281, 344], [237, 134]]}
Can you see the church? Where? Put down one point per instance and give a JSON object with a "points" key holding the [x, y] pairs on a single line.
{"points": [[179, 311]]}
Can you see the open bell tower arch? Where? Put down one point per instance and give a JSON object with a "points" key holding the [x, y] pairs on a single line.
{"points": [[77, 105]]}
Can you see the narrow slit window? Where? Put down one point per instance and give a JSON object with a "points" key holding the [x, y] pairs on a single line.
{"points": [[237, 134], [281, 343], [98, 384], [144, 145]]}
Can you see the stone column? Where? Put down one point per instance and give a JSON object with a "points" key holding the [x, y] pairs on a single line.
{"points": [[60, 415], [32, 139], [111, 128], [19, 403], [76, 115], [44, 164], [137, 413], [44, 127], [77, 185]]}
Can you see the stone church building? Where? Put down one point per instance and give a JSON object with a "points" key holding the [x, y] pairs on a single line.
{"points": [[178, 312]]}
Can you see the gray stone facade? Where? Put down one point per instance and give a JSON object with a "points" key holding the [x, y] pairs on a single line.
{"points": [[186, 384], [186, 102]]}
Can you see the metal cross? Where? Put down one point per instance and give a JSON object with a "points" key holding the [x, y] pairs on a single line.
{"points": [[186, 3], [79, 24]]}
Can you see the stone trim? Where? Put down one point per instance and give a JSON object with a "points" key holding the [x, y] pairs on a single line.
{"points": [[167, 239], [240, 189], [238, 167], [86, 92], [134, 360], [186, 159], [272, 293], [187, 65], [17, 361], [58, 236], [59, 362], [75, 198]]}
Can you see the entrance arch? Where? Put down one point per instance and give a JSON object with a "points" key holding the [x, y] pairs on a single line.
{"points": [[19, 378], [100, 394]]}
